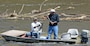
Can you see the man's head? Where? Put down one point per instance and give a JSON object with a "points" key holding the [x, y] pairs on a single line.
{"points": [[52, 11], [35, 19]]}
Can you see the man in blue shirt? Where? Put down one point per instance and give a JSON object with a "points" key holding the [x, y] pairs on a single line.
{"points": [[53, 24]]}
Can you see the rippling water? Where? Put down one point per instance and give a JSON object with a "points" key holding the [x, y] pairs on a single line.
{"points": [[81, 7]]}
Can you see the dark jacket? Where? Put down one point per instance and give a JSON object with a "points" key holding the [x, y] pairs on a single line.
{"points": [[54, 17]]}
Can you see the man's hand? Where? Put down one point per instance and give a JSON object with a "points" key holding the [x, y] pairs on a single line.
{"points": [[52, 22], [36, 26]]}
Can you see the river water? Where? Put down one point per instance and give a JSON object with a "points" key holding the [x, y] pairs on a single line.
{"points": [[80, 7]]}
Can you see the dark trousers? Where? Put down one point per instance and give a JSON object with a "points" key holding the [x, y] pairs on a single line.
{"points": [[35, 35]]}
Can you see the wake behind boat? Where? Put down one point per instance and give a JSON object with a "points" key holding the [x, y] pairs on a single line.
{"points": [[15, 35]]}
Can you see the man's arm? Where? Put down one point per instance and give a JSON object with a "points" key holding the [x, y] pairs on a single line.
{"points": [[58, 18]]}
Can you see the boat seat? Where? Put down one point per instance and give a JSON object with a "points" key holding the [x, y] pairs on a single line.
{"points": [[65, 36], [74, 33]]}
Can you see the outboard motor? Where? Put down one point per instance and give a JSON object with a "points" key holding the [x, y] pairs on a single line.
{"points": [[84, 38]]}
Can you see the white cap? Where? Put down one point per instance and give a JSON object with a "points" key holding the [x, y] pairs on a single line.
{"points": [[35, 18], [52, 10]]}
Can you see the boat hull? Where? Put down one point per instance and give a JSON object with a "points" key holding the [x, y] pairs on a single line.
{"points": [[34, 40], [15, 35]]}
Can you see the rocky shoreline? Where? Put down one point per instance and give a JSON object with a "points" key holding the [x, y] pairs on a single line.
{"points": [[63, 16], [41, 15]]}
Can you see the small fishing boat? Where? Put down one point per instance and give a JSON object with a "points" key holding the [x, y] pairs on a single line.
{"points": [[14, 35]]}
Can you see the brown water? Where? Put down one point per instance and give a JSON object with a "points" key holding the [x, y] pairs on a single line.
{"points": [[81, 7]]}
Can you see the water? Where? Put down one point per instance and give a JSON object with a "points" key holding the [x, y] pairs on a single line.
{"points": [[81, 7], [25, 25]]}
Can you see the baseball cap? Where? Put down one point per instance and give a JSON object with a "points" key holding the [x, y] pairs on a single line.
{"points": [[52, 10]]}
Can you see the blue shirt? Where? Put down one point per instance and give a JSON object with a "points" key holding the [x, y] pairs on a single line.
{"points": [[54, 17]]}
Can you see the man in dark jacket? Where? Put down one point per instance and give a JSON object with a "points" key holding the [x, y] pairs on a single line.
{"points": [[53, 24]]}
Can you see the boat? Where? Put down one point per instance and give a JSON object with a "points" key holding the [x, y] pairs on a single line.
{"points": [[14, 35]]}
